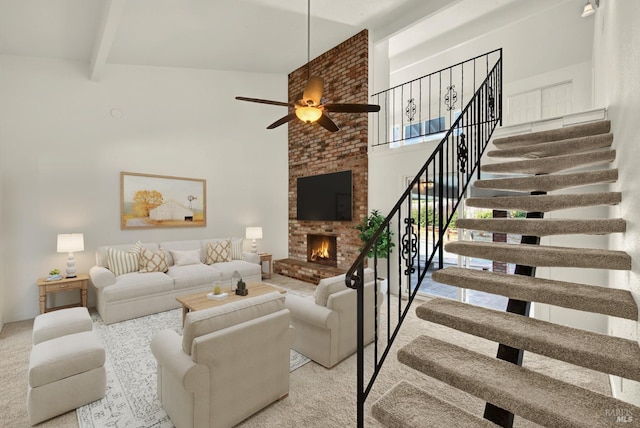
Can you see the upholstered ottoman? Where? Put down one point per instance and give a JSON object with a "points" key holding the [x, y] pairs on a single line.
{"points": [[61, 323], [65, 373]]}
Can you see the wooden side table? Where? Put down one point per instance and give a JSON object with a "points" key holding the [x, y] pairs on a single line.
{"points": [[266, 257], [64, 284]]}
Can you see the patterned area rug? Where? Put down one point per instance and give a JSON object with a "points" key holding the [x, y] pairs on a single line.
{"points": [[131, 399]]}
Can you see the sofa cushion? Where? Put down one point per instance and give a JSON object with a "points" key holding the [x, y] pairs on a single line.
{"points": [[328, 286], [134, 285], [65, 356], [121, 262], [60, 323], [153, 261], [183, 258], [218, 252], [245, 269], [190, 276], [207, 321]]}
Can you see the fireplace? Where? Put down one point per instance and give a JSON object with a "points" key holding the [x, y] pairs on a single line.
{"points": [[322, 249]]}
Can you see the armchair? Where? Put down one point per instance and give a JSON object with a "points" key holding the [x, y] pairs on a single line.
{"points": [[231, 361], [326, 327]]}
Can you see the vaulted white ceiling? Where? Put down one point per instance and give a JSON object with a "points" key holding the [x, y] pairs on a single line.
{"points": [[243, 35]]}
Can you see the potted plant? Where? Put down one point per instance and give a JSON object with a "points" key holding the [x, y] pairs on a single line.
{"points": [[366, 229]]}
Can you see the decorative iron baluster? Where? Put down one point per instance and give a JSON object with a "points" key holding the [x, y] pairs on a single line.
{"points": [[451, 97], [410, 111], [463, 152], [492, 103], [409, 245]]}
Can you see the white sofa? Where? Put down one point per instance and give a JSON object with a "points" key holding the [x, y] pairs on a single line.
{"points": [[124, 291], [231, 361], [326, 326]]}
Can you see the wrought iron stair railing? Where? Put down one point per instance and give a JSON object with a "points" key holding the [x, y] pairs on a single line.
{"points": [[438, 188]]}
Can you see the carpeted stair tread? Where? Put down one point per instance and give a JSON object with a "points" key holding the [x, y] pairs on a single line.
{"points": [[551, 164], [545, 226], [607, 354], [548, 183], [533, 396], [589, 298], [555, 148], [594, 128], [538, 255], [545, 203], [406, 406]]}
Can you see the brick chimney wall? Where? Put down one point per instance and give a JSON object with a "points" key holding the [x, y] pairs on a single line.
{"points": [[314, 150]]}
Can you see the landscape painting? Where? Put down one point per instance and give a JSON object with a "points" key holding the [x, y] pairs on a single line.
{"points": [[152, 201]]}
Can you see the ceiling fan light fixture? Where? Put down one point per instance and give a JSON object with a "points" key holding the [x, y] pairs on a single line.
{"points": [[308, 114], [588, 10]]}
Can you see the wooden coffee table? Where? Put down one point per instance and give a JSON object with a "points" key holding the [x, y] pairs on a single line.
{"points": [[199, 301]]}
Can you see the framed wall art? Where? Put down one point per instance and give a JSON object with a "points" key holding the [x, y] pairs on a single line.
{"points": [[153, 201]]}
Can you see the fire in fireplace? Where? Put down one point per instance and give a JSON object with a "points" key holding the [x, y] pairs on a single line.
{"points": [[322, 249]]}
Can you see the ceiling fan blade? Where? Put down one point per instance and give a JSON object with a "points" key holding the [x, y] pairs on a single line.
{"points": [[261, 101], [352, 108], [313, 90], [328, 124], [282, 121]]}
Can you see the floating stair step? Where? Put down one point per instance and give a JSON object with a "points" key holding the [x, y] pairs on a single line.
{"points": [[594, 128], [548, 183], [589, 298], [555, 148], [406, 406], [539, 255], [533, 396], [546, 203], [545, 227], [551, 164], [607, 354]]}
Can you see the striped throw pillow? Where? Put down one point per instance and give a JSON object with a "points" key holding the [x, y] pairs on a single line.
{"points": [[121, 262], [236, 248]]}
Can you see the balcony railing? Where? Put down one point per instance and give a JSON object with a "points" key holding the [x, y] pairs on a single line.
{"points": [[426, 107]]}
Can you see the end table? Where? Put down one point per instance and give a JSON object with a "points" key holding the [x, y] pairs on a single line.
{"points": [[64, 284], [266, 257]]}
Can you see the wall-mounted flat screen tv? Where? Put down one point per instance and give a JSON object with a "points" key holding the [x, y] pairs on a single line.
{"points": [[325, 197]]}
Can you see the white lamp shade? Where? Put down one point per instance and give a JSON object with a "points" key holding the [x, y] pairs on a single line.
{"points": [[70, 242], [254, 232]]}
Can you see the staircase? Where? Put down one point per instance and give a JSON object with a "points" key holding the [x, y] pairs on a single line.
{"points": [[507, 387]]}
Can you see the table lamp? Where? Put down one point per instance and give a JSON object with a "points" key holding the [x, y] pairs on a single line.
{"points": [[254, 233], [68, 243]]}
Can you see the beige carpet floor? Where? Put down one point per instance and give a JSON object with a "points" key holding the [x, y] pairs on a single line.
{"points": [[318, 397]]}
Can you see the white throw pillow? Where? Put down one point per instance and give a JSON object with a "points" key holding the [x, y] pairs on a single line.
{"points": [[121, 262], [181, 258]]}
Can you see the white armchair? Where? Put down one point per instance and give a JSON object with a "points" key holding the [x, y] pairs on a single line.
{"points": [[231, 361], [326, 327]]}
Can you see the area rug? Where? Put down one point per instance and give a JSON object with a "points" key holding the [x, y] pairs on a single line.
{"points": [[131, 399]]}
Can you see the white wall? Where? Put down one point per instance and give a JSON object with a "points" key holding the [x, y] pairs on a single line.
{"points": [[62, 152], [617, 80]]}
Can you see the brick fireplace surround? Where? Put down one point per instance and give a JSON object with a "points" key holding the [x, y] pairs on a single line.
{"points": [[314, 150]]}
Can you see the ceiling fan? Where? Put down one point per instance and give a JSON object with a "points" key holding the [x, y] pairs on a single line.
{"points": [[310, 108]]}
